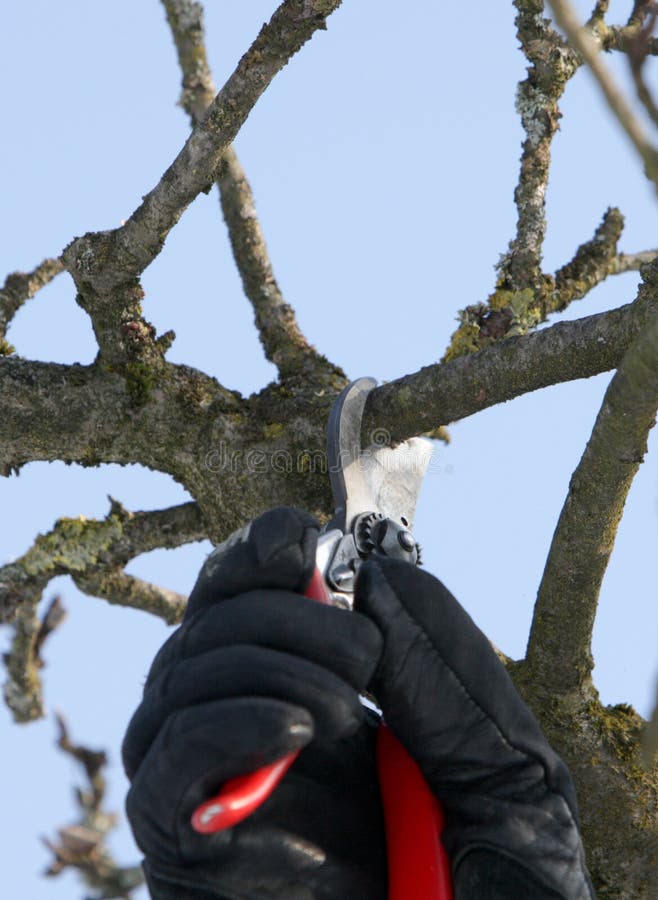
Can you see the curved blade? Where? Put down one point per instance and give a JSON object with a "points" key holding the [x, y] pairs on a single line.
{"points": [[377, 478]]}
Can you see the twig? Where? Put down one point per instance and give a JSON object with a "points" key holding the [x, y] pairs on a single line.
{"points": [[593, 262], [82, 845], [53, 617], [516, 305], [551, 66], [588, 49], [20, 287], [121, 589], [560, 658], [631, 262], [279, 333], [22, 690], [95, 552], [638, 53], [511, 313], [282, 341]]}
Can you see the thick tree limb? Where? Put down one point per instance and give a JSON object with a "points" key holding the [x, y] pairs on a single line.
{"points": [[446, 392], [20, 287], [50, 411], [559, 655], [282, 341], [588, 49]]}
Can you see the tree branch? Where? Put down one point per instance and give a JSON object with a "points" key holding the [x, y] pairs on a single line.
{"points": [[282, 341], [22, 690], [95, 549], [446, 392], [508, 313], [592, 263], [588, 49], [559, 657], [638, 53], [121, 589], [106, 265], [82, 846], [552, 64], [94, 553], [20, 287]]}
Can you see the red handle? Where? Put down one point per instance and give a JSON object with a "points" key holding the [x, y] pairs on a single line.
{"points": [[418, 866], [240, 796]]}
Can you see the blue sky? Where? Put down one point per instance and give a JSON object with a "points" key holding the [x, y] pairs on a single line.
{"points": [[383, 160]]}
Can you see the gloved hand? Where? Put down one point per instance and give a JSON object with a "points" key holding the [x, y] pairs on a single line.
{"points": [[509, 803], [254, 672]]}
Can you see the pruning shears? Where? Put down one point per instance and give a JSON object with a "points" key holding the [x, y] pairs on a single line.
{"points": [[375, 491]]}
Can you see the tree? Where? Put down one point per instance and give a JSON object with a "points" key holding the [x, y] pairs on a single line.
{"points": [[236, 455]]}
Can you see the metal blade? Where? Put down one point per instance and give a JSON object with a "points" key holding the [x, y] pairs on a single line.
{"points": [[378, 479]]}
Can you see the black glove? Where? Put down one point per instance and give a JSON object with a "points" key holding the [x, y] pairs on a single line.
{"points": [[511, 816], [254, 672]]}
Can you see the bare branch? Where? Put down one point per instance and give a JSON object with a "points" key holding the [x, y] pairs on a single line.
{"points": [[82, 845], [510, 313], [592, 263], [588, 49], [282, 341], [559, 657], [117, 587], [552, 64], [53, 617], [20, 287], [22, 690], [443, 393], [185, 18], [600, 9], [94, 551], [106, 265], [638, 53], [631, 262]]}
